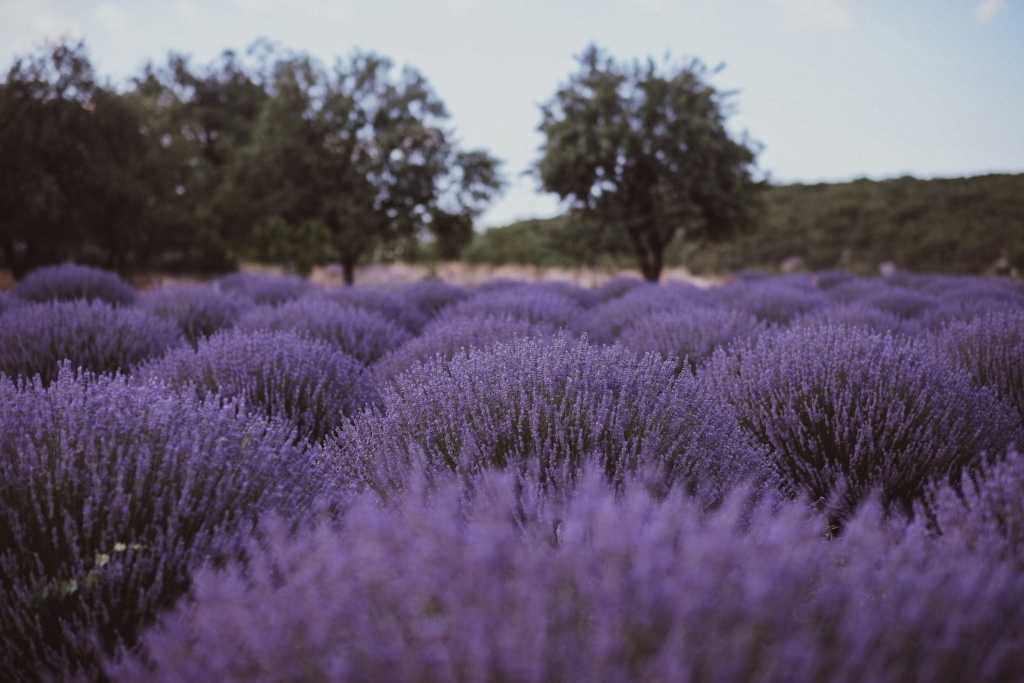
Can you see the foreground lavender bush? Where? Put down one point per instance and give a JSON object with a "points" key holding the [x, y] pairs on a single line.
{"points": [[604, 587], [110, 494], [844, 411], [551, 406], [991, 349], [446, 338], [70, 282], [275, 374], [361, 334], [198, 311], [689, 335], [94, 336], [262, 288]]}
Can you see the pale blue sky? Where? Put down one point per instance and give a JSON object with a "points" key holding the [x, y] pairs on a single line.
{"points": [[833, 89]]}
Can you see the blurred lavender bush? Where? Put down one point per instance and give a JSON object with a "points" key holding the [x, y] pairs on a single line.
{"points": [[606, 586], [844, 411], [110, 494], [71, 282], [281, 375], [262, 288], [362, 334], [198, 311], [94, 336]]}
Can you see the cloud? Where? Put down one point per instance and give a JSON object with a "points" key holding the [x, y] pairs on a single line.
{"points": [[461, 6], [24, 23], [818, 13], [651, 5], [111, 17], [987, 9]]}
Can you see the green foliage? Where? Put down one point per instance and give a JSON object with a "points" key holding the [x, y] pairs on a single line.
{"points": [[645, 155], [956, 226]]}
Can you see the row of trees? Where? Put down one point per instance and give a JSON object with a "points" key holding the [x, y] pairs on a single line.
{"points": [[275, 158]]}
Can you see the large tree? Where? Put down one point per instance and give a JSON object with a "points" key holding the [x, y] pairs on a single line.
{"points": [[644, 152], [354, 159], [70, 159]]}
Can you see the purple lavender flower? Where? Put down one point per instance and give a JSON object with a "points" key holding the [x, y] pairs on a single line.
{"points": [[8, 301], [844, 411], [858, 315], [605, 323], [617, 287], [71, 282], [91, 335], [198, 311], [111, 493], [430, 296], [607, 586], [392, 305], [532, 303], [689, 335], [262, 288], [990, 349], [773, 300], [553, 406], [364, 335], [446, 338], [281, 375]]}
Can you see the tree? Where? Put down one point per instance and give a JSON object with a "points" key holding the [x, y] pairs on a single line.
{"points": [[70, 153], [646, 154], [355, 159]]}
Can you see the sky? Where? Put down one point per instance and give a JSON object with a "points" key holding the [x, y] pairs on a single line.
{"points": [[832, 90]]}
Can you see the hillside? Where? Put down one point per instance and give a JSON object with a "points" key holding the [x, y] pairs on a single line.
{"points": [[957, 225]]}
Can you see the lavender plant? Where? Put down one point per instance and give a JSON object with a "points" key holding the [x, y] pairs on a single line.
{"points": [[8, 301], [844, 411], [364, 335], [94, 336], [430, 296], [446, 338], [773, 301], [605, 323], [71, 282], [617, 287], [552, 406], [198, 311], [990, 348], [281, 375], [858, 315], [262, 288], [111, 493], [689, 336], [390, 304], [531, 303], [602, 587]]}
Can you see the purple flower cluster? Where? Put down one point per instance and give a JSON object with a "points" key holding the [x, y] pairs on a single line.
{"points": [[95, 336], [602, 587], [283, 375], [111, 493], [261, 288], [845, 412], [71, 282], [198, 311], [392, 305], [550, 407]]}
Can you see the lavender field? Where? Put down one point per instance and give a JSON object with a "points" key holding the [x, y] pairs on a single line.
{"points": [[809, 477]]}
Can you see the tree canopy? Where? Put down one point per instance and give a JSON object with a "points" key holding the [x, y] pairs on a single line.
{"points": [[645, 153]]}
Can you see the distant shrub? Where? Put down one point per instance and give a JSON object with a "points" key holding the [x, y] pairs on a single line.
{"points": [[605, 323], [281, 375], [617, 588], [990, 349], [552, 406], [530, 303], [446, 338], [94, 336], [584, 298], [857, 315], [830, 279], [844, 411], [364, 335], [110, 495], [430, 296], [619, 286], [8, 301], [906, 304], [772, 301], [70, 282], [198, 311], [390, 304], [262, 288], [689, 336]]}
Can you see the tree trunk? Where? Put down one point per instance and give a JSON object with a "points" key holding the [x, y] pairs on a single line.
{"points": [[348, 272]]}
